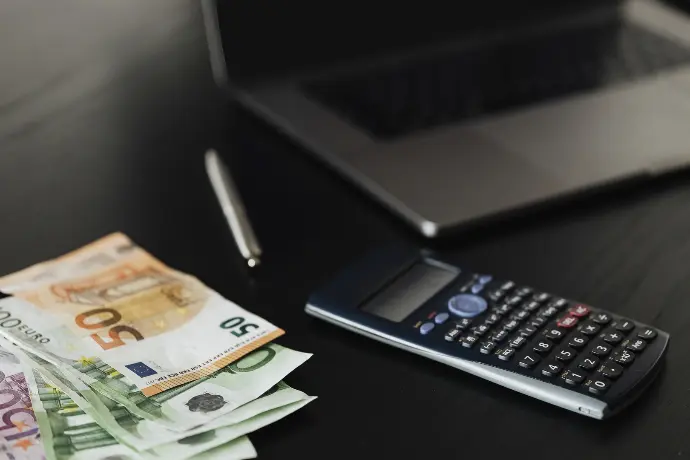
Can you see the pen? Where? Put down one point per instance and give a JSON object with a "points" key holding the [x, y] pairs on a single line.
{"points": [[233, 209]]}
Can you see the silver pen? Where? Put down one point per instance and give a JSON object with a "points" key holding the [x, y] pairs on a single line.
{"points": [[231, 204]]}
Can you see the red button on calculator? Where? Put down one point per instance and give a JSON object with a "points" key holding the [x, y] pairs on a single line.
{"points": [[579, 311], [567, 321]]}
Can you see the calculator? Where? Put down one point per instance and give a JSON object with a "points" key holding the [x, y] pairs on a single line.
{"points": [[560, 351]]}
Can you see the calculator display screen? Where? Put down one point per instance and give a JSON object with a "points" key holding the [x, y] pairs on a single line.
{"points": [[408, 291]]}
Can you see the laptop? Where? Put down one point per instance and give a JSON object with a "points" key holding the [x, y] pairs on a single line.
{"points": [[451, 113]]}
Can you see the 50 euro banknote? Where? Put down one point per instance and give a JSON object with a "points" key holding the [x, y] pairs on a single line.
{"points": [[178, 409], [158, 327]]}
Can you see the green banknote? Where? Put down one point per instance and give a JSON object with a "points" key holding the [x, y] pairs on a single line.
{"points": [[141, 434], [70, 433], [179, 409], [239, 449]]}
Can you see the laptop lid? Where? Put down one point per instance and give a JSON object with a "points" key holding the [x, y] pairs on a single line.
{"points": [[259, 41]]}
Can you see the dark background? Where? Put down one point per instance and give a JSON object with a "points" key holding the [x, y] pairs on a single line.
{"points": [[106, 109]]}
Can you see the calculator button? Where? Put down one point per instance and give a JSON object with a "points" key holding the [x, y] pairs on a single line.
{"points": [[523, 291], [480, 330], [514, 300], [511, 325], [527, 331], [484, 279], [543, 346], [548, 312], [469, 340], [611, 370], [578, 341], [623, 357], [492, 319], [520, 315], [487, 347], [601, 318], [625, 325], [477, 288], [554, 334], [517, 342], [500, 336], [506, 354], [467, 305], [532, 306], [425, 328], [529, 361], [453, 334], [495, 295], [552, 369], [558, 303], [567, 322], [505, 309], [574, 377], [507, 286], [590, 329], [636, 345], [588, 363], [579, 310], [537, 322], [541, 297], [601, 349], [441, 318], [613, 337], [464, 323], [597, 385], [647, 333], [565, 355]]}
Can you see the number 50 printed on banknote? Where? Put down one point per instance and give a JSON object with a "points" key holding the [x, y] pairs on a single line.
{"points": [[158, 327]]}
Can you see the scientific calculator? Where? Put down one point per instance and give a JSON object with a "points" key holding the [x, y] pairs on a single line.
{"points": [[567, 353]]}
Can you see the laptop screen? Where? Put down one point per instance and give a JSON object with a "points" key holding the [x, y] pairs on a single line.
{"points": [[262, 39]]}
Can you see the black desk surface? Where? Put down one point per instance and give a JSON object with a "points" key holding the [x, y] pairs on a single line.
{"points": [[106, 109]]}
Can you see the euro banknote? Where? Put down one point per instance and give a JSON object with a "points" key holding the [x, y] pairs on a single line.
{"points": [[19, 433], [178, 409], [113, 301], [71, 433]]}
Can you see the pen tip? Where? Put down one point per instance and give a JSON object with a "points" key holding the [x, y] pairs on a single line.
{"points": [[252, 262]]}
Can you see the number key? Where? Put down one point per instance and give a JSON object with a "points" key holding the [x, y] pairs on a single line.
{"points": [[573, 377], [529, 361], [554, 334], [565, 355], [552, 369], [578, 341], [601, 349], [597, 385], [588, 363], [543, 346]]}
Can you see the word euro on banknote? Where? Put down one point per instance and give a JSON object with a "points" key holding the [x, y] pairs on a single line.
{"points": [[19, 433], [158, 327]]}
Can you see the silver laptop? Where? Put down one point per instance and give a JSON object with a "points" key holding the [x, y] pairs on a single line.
{"points": [[452, 114]]}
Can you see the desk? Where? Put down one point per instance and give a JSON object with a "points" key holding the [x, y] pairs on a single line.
{"points": [[106, 109]]}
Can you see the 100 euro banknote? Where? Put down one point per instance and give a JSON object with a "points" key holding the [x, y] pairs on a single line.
{"points": [[112, 300], [73, 430], [178, 409]]}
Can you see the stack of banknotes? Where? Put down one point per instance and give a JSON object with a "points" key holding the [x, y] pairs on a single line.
{"points": [[107, 353]]}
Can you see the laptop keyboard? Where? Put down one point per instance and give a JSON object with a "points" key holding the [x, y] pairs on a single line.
{"points": [[394, 102]]}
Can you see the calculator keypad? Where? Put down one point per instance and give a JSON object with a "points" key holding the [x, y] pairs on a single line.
{"points": [[547, 337]]}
